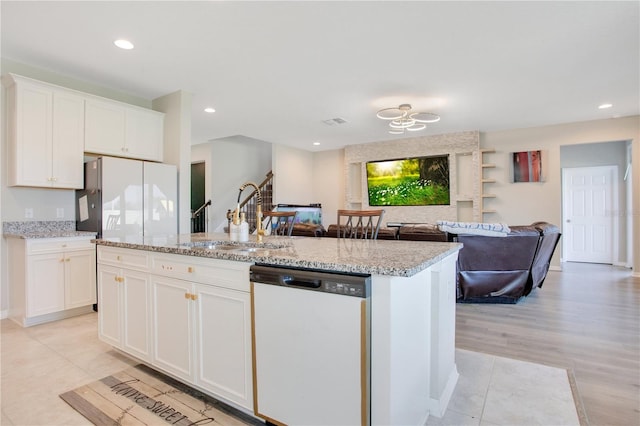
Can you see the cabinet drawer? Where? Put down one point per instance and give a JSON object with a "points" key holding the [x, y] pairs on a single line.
{"points": [[127, 258], [223, 273], [54, 245]]}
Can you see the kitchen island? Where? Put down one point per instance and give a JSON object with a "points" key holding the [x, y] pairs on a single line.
{"points": [[175, 299]]}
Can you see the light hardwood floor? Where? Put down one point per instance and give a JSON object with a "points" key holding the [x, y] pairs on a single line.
{"points": [[585, 318]]}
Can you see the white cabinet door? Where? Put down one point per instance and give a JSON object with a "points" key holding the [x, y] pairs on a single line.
{"points": [[144, 133], [104, 128], [30, 112], [67, 155], [114, 128], [136, 311], [80, 278], [109, 306], [173, 326], [46, 136], [45, 284], [223, 327], [124, 310]]}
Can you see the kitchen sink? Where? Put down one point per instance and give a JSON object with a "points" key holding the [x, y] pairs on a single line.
{"points": [[234, 247], [213, 247]]}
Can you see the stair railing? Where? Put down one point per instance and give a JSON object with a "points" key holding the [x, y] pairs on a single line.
{"points": [[199, 222], [248, 205]]}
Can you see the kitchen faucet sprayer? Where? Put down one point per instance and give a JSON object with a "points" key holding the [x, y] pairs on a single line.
{"points": [[259, 230]]}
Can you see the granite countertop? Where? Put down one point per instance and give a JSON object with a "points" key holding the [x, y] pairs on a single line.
{"points": [[378, 257], [50, 234], [43, 229]]}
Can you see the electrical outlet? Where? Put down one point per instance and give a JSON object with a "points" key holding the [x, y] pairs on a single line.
{"points": [[60, 213], [28, 213]]}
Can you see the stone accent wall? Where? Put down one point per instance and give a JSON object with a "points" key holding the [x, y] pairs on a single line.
{"points": [[464, 207]]}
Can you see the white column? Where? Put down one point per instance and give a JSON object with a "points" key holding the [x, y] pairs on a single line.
{"points": [[177, 148]]}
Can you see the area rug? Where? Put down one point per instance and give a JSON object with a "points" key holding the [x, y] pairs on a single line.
{"points": [[142, 396]]}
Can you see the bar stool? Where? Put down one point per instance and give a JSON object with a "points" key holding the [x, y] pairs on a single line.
{"points": [[279, 223], [363, 224]]}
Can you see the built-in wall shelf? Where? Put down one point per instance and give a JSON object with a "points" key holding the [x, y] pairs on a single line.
{"points": [[484, 167]]}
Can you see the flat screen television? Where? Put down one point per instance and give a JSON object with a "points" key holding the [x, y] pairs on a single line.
{"points": [[415, 181]]}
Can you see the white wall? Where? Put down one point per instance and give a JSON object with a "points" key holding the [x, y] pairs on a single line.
{"points": [[523, 203], [293, 175], [229, 163], [329, 185]]}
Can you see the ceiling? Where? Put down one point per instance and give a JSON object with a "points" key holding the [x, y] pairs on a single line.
{"points": [[274, 71]]}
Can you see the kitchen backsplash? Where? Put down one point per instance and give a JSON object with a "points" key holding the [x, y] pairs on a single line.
{"points": [[38, 226]]}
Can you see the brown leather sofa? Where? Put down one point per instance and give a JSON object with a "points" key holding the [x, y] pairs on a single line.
{"points": [[308, 230], [383, 233], [489, 269], [496, 269], [422, 232]]}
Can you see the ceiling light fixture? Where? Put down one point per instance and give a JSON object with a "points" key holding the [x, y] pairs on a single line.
{"points": [[402, 118], [123, 44], [209, 110], [605, 106]]}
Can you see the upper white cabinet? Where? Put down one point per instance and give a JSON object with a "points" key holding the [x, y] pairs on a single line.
{"points": [[144, 133], [46, 135], [105, 127], [51, 127], [114, 128]]}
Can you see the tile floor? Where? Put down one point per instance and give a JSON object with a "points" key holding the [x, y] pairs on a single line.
{"points": [[493, 390], [40, 362]]}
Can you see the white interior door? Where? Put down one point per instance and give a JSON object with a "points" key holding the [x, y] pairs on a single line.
{"points": [[589, 205]]}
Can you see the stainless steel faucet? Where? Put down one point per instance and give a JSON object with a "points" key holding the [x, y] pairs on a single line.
{"points": [[259, 230]]}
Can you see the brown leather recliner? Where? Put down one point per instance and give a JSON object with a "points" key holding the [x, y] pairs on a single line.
{"points": [[496, 269], [549, 238]]}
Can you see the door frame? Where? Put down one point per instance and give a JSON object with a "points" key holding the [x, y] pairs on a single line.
{"points": [[615, 212]]}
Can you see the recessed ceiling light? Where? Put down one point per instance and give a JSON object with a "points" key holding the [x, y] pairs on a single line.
{"points": [[123, 44], [605, 106], [209, 110], [316, 143]]}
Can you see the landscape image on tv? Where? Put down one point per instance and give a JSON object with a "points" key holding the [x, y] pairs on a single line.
{"points": [[419, 181]]}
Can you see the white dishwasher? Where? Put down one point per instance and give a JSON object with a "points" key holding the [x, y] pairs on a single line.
{"points": [[311, 346]]}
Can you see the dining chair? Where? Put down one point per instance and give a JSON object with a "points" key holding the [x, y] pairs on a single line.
{"points": [[113, 221], [279, 223], [363, 224]]}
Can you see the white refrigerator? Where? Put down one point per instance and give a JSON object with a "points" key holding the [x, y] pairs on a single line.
{"points": [[128, 199]]}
